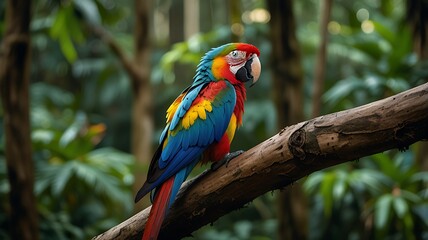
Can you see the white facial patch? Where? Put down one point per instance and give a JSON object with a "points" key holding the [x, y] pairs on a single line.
{"points": [[235, 68]]}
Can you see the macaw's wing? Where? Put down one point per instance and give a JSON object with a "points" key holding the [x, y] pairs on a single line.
{"points": [[196, 119]]}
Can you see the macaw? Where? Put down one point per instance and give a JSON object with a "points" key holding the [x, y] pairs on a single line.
{"points": [[200, 125]]}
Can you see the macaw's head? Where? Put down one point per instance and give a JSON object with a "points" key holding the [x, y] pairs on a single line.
{"points": [[235, 62]]}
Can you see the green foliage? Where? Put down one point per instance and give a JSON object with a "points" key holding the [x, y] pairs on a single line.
{"points": [[68, 166], [384, 199], [382, 66], [188, 52], [387, 194], [67, 21], [75, 81], [259, 223], [243, 230], [65, 29], [381, 199]]}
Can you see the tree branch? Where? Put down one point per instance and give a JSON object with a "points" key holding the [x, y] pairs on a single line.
{"points": [[130, 66], [295, 152]]}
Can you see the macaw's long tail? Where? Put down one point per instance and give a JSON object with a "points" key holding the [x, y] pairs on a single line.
{"points": [[159, 210], [164, 197]]}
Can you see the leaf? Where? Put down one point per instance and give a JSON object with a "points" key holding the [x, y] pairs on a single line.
{"points": [[327, 193], [408, 226], [400, 206], [420, 176], [410, 196], [67, 47], [89, 10], [339, 188], [99, 180], [71, 133], [382, 211], [74, 29], [370, 48], [41, 92], [259, 112], [369, 180], [113, 162], [42, 135], [402, 47], [397, 84], [62, 176], [313, 182], [58, 23], [342, 89], [65, 28], [243, 229], [386, 165], [383, 31]]}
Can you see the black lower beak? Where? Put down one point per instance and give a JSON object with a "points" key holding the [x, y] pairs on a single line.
{"points": [[244, 73]]}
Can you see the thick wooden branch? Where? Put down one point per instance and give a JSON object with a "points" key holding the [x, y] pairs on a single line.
{"points": [[295, 152]]}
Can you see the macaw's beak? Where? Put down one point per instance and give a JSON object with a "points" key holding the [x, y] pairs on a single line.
{"points": [[250, 71], [256, 68]]}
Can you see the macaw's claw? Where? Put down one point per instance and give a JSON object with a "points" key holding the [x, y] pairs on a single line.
{"points": [[226, 160]]}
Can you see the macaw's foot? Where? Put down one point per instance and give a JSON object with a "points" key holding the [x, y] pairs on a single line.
{"points": [[226, 159]]}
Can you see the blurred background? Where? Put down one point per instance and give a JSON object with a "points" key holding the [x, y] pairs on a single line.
{"points": [[103, 73]]}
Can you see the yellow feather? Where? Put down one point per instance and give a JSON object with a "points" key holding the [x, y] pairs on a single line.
{"points": [[207, 105], [171, 110], [231, 128], [201, 112], [186, 121], [192, 117]]}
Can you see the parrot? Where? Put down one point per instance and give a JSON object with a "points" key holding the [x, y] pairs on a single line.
{"points": [[200, 125]]}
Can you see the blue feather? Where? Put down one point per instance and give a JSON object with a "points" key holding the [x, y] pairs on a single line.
{"points": [[181, 140], [163, 134], [180, 177]]}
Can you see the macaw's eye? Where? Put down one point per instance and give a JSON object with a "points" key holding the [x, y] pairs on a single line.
{"points": [[234, 54], [236, 57]]}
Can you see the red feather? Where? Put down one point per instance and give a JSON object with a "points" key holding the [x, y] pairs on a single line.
{"points": [[216, 151], [158, 211]]}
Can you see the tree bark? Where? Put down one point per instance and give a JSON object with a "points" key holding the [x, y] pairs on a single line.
{"points": [[319, 74], [191, 18], [14, 83], [288, 98], [417, 18], [142, 115], [237, 29], [295, 152]]}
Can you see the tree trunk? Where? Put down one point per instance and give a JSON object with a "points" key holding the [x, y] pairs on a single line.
{"points": [[295, 152], [14, 82], [142, 115], [319, 74], [191, 18], [288, 98], [417, 18], [237, 29], [138, 70]]}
